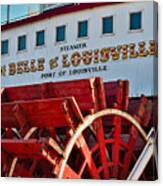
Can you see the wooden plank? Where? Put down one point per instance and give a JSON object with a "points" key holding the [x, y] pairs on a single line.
{"points": [[22, 147], [112, 90], [89, 93], [8, 120], [28, 92], [142, 109], [100, 94], [30, 147], [102, 149], [70, 173], [116, 146], [83, 90], [41, 113], [88, 158], [20, 171], [128, 155], [125, 101], [48, 90]]}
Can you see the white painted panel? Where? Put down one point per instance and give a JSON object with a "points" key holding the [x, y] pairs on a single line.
{"points": [[138, 71]]}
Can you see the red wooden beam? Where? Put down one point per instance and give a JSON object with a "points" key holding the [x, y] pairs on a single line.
{"points": [[23, 148], [112, 91], [88, 158], [102, 149], [142, 109], [70, 173], [41, 113], [89, 93]]}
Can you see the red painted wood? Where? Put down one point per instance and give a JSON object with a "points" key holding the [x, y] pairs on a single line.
{"points": [[41, 106], [86, 92], [70, 173], [129, 153], [125, 96], [20, 171], [33, 167], [142, 109], [89, 93], [29, 92], [102, 149], [117, 133], [100, 94], [112, 90], [116, 92], [88, 158], [23, 148], [116, 146], [9, 133], [41, 113], [81, 170]]}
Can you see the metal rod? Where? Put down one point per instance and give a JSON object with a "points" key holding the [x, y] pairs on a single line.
{"points": [[8, 13]]}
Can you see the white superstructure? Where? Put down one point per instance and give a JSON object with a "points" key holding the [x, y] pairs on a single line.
{"points": [[97, 54]]}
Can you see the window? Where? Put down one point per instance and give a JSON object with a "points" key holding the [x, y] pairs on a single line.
{"points": [[4, 47], [135, 21], [40, 38], [82, 29], [107, 25], [22, 42], [60, 31]]}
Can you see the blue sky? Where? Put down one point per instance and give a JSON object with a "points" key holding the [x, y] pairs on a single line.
{"points": [[17, 10]]}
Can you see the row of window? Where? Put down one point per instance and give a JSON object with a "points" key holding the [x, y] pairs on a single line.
{"points": [[107, 28]]}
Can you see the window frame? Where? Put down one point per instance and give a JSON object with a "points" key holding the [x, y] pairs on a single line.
{"points": [[63, 41], [3, 54], [20, 50], [38, 46], [83, 37], [113, 26], [141, 21]]}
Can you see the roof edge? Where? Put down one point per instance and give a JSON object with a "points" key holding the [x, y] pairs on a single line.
{"points": [[56, 12]]}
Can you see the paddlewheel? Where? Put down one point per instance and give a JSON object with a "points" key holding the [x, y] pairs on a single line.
{"points": [[77, 129]]}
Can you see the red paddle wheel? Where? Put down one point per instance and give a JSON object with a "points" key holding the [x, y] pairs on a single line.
{"points": [[76, 129]]}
